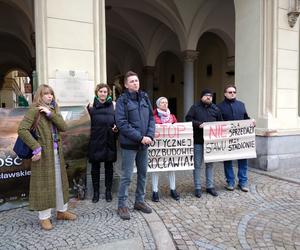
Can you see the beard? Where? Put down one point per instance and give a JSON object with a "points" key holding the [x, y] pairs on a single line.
{"points": [[207, 101]]}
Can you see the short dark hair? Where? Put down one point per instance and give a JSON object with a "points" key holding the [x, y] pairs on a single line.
{"points": [[102, 85], [229, 86], [128, 74]]}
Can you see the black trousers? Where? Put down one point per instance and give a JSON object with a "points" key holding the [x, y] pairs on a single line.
{"points": [[109, 171]]}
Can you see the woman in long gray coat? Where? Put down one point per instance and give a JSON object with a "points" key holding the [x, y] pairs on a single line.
{"points": [[48, 182]]}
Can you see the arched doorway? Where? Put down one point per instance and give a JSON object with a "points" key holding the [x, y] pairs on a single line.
{"points": [[17, 52], [212, 65], [168, 81], [16, 90]]}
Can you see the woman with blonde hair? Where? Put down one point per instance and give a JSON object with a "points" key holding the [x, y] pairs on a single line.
{"points": [[48, 182]]}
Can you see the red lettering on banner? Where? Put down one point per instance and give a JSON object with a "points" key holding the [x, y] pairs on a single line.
{"points": [[180, 129], [217, 131], [168, 131]]}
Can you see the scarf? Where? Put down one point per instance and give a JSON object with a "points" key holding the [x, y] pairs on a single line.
{"points": [[165, 116]]}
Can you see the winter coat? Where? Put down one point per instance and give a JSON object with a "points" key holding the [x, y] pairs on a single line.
{"points": [[102, 146], [42, 194], [233, 110], [134, 119], [200, 113], [158, 120]]}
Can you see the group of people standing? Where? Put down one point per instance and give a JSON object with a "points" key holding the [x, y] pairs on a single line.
{"points": [[132, 120]]}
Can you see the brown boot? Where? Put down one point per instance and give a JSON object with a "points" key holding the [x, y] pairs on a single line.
{"points": [[65, 216], [46, 224]]}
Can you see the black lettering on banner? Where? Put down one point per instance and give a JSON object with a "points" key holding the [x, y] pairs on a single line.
{"points": [[215, 146], [157, 152], [241, 145], [236, 130], [170, 162], [172, 143]]}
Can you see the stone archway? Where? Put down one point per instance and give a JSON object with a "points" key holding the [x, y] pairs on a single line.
{"points": [[17, 48], [168, 81], [212, 65]]}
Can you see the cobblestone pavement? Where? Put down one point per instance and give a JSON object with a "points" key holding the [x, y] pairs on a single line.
{"points": [[97, 225], [267, 217]]}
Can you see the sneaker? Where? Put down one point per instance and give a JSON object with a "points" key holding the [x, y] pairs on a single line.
{"points": [[141, 206], [244, 188], [229, 187], [123, 212], [46, 224], [198, 193], [212, 192], [155, 196], [65, 216], [175, 195]]}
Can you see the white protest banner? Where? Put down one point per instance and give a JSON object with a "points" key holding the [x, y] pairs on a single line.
{"points": [[173, 148], [230, 140]]}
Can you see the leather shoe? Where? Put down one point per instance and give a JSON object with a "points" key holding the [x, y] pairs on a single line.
{"points": [[155, 196], [175, 195], [141, 206], [198, 193], [65, 216], [123, 212], [95, 197], [108, 196], [212, 191], [46, 224]]}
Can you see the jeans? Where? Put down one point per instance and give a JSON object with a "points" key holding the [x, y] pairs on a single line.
{"points": [[242, 172], [209, 174], [141, 160]]}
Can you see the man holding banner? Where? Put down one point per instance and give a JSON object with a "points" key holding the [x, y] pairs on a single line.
{"points": [[232, 110], [205, 111]]}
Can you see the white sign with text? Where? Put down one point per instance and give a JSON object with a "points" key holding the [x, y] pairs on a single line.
{"points": [[173, 148], [229, 140]]}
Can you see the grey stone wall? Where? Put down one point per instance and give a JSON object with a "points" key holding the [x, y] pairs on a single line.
{"points": [[276, 152]]}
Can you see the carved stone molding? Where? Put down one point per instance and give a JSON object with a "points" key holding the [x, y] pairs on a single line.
{"points": [[148, 70], [190, 55], [292, 18]]}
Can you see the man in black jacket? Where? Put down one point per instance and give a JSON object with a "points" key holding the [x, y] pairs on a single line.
{"points": [[135, 121], [232, 109], [204, 111]]}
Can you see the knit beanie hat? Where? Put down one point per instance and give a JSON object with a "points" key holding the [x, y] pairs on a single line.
{"points": [[206, 92], [158, 100]]}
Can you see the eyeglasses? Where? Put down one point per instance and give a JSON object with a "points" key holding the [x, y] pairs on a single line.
{"points": [[231, 92]]}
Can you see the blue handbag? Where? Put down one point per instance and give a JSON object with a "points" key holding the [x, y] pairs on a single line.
{"points": [[20, 147]]}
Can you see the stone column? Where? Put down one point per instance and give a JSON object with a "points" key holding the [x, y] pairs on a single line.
{"points": [[40, 16], [100, 41], [188, 88], [148, 78]]}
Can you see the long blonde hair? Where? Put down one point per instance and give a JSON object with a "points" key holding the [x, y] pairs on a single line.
{"points": [[40, 92]]}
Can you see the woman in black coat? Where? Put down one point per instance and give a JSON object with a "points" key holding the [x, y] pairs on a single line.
{"points": [[102, 146]]}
